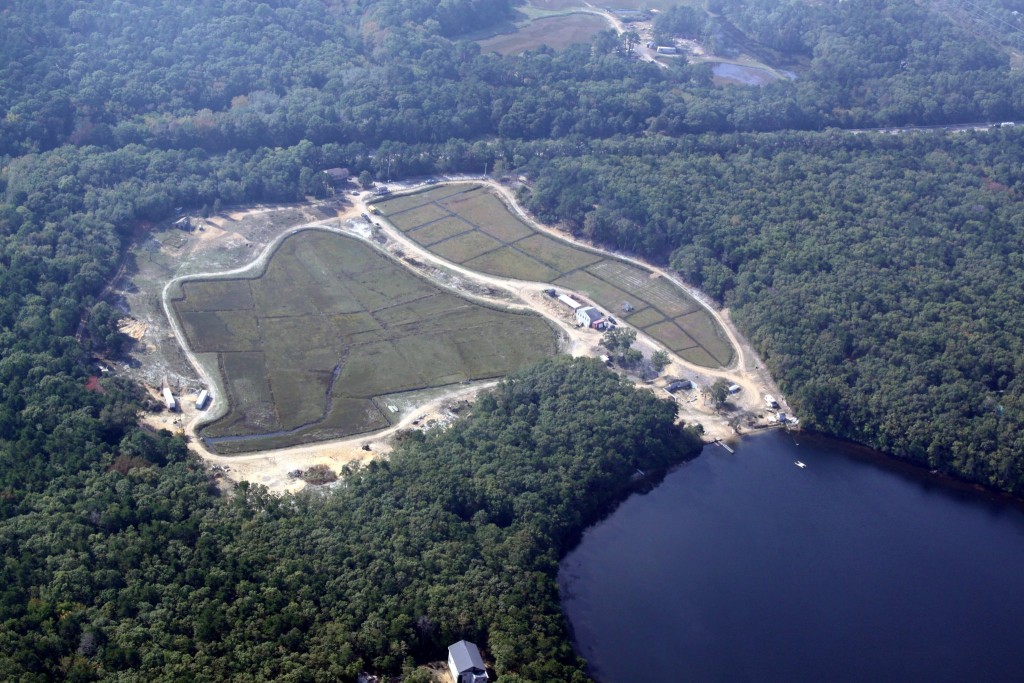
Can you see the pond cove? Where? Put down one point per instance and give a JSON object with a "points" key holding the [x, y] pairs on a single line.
{"points": [[747, 567]]}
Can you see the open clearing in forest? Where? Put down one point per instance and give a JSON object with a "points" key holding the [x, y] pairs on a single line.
{"points": [[728, 73], [648, 4], [557, 32], [555, 25], [310, 348], [469, 225]]}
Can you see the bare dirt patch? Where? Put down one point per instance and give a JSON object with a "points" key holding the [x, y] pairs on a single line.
{"points": [[136, 329], [739, 74]]}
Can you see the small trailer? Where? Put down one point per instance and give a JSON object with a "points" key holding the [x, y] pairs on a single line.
{"points": [[169, 400]]}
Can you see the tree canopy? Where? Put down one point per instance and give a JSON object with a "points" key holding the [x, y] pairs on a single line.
{"points": [[139, 571], [879, 276]]}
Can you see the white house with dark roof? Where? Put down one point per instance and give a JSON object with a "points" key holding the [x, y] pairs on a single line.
{"points": [[465, 663], [588, 316]]}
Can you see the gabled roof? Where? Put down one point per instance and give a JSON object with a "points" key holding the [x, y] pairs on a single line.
{"points": [[466, 657], [337, 173]]}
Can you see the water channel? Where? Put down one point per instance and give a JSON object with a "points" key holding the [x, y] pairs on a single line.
{"points": [[746, 567]]}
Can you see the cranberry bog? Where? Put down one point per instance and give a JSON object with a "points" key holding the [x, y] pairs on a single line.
{"points": [[467, 224], [311, 347]]}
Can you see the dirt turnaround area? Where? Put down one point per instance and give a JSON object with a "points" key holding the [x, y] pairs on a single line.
{"points": [[237, 245]]}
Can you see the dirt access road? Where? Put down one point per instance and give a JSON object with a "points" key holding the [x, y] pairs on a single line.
{"points": [[274, 469], [643, 29]]}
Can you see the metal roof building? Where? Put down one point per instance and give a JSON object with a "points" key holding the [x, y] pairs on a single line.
{"points": [[465, 663], [569, 301]]}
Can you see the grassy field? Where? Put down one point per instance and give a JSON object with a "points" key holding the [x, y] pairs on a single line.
{"points": [[557, 32], [478, 231], [512, 263], [436, 231], [306, 347]]}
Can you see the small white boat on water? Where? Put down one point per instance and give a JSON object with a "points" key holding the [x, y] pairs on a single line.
{"points": [[800, 464]]}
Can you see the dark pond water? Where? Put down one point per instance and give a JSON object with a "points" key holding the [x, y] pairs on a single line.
{"points": [[747, 568]]}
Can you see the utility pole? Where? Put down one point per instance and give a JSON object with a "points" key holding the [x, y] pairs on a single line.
{"points": [[389, 169]]}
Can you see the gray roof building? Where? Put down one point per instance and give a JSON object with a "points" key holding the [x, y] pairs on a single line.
{"points": [[588, 315], [678, 385], [465, 663], [337, 175]]}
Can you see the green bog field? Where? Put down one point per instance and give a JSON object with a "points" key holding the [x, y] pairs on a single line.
{"points": [[557, 32], [307, 349], [469, 225]]}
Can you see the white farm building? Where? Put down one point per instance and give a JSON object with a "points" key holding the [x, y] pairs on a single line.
{"points": [[588, 316], [465, 663]]}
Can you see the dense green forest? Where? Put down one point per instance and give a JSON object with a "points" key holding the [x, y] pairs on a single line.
{"points": [[133, 566], [880, 277], [242, 75]]}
